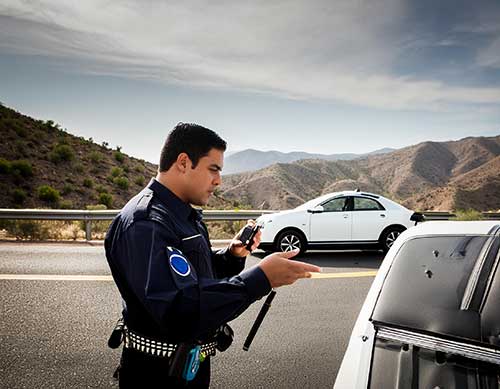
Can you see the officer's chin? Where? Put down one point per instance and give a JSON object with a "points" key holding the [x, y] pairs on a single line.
{"points": [[201, 202]]}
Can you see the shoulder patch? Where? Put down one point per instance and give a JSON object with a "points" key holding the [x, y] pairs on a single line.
{"points": [[178, 262]]}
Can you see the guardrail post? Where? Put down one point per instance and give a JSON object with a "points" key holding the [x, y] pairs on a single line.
{"points": [[88, 229]]}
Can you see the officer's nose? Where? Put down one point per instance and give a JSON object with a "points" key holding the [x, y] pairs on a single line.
{"points": [[218, 179]]}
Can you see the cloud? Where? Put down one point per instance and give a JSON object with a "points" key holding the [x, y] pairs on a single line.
{"points": [[338, 51], [490, 56]]}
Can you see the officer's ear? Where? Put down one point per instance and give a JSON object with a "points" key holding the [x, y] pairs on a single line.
{"points": [[183, 162]]}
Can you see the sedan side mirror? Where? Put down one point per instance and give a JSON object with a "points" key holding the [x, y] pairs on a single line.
{"points": [[417, 217], [316, 209]]}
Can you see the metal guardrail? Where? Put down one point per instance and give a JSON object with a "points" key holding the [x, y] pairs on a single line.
{"points": [[88, 216], [448, 215], [211, 215]]}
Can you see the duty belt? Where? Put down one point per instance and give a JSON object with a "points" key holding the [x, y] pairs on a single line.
{"points": [[157, 348]]}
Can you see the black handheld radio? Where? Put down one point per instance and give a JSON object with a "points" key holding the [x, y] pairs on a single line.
{"points": [[248, 234]]}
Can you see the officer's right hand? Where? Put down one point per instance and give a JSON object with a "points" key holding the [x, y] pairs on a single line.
{"points": [[280, 271]]}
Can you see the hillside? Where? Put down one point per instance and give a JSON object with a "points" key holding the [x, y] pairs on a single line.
{"points": [[427, 176], [44, 166]]}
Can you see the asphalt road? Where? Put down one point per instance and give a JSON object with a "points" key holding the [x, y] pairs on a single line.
{"points": [[53, 333]]}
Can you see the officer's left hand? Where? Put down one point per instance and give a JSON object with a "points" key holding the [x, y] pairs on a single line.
{"points": [[238, 249]]}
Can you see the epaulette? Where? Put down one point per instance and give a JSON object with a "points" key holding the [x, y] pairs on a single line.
{"points": [[142, 208]]}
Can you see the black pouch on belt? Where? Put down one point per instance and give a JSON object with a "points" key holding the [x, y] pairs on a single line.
{"points": [[178, 360], [224, 337], [116, 337]]}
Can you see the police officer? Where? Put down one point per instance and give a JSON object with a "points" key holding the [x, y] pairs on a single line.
{"points": [[176, 291]]}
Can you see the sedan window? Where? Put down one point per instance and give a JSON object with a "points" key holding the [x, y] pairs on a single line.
{"points": [[364, 204], [338, 204], [445, 285]]}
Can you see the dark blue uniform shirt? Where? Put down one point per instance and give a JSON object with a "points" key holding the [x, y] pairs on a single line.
{"points": [[174, 287]]}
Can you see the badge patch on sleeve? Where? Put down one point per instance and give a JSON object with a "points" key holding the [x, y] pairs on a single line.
{"points": [[178, 262]]}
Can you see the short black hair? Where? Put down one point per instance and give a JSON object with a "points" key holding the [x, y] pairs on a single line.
{"points": [[194, 140]]}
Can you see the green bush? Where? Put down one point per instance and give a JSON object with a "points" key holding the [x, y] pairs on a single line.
{"points": [[21, 168], [101, 189], [21, 131], [119, 156], [61, 152], [5, 166], [88, 183], [78, 168], [5, 224], [49, 194], [95, 157], [126, 169], [121, 182], [67, 188], [19, 196], [139, 169], [20, 147], [139, 180], [66, 204], [116, 172], [468, 214], [106, 199]]}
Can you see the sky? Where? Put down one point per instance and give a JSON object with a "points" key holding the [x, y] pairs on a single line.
{"points": [[317, 76]]}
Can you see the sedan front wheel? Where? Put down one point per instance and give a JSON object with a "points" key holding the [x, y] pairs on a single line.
{"points": [[290, 240], [390, 236]]}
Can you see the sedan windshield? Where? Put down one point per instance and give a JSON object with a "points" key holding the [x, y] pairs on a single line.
{"points": [[314, 202]]}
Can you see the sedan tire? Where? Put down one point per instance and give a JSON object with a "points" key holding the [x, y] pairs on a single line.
{"points": [[289, 240], [389, 236]]}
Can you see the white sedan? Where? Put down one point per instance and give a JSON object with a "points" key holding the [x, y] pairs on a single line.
{"points": [[431, 318], [340, 220]]}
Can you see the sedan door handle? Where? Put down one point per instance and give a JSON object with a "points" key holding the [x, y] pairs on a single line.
{"points": [[346, 216], [382, 215]]}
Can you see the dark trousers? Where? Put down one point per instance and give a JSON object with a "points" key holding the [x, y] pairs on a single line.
{"points": [[139, 370]]}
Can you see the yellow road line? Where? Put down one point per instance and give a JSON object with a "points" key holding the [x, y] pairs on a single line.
{"points": [[69, 277], [355, 274], [54, 277]]}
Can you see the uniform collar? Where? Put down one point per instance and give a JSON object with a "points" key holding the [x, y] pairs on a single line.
{"points": [[174, 203]]}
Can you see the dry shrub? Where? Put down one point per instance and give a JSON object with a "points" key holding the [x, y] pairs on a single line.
{"points": [[224, 229], [99, 229], [468, 215], [75, 230], [42, 229]]}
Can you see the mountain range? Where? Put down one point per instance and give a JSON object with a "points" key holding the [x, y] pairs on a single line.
{"points": [[250, 159], [451, 175], [43, 165]]}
